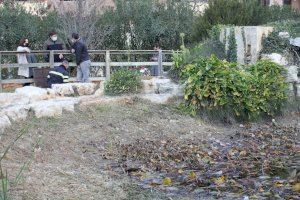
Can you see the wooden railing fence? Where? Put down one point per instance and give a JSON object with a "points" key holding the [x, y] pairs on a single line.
{"points": [[106, 62]]}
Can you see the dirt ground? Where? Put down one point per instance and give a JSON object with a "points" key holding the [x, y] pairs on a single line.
{"points": [[63, 158]]}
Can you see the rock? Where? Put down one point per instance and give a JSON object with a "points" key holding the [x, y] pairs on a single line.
{"points": [[51, 93], [4, 123], [63, 89], [284, 35], [16, 112], [68, 104], [275, 57], [84, 88], [178, 90], [12, 98], [292, 74], [161, 86], [74, 89], [46, 109], [295, 41], [53, 108], [157, 98], [149, 86], [33, 93], [100, 90], [105, 100]]}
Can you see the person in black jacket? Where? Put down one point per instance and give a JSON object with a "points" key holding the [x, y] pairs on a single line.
{"points": [[82, 59], [59, 74], [53, 43]]}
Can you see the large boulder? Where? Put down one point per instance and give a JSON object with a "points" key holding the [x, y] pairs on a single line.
{"points": [[4, 123], [94, 100], [157, 98], [70, 89], [53, 108], [34, 93], [63, 89], [12, 99], [16, 112], [161, 86], [100, 90], [46, 109], [277, 58]]}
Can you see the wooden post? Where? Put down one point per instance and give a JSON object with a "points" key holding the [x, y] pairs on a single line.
{"points": [[51, 59], [0, 73], [160, 63], [107, 65]]}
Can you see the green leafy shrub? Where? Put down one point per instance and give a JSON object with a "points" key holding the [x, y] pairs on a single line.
{"points": [[228, 12], [210, 46], [270, 84], [239, 13], [17, 23], [153, 21], [274, 43], [281, 13], [217, 85], [123, 81], [232, 47]]}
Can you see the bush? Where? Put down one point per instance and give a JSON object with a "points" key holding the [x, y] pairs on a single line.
{"points": [[281, 13], [212, 45], [217, 85], [228, 12], [239, 13], [274, 43], [148, 22], [17, 23], [123, 81]]}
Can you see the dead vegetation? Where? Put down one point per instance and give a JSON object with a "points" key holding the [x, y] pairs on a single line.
{"points": [[90, 153]]}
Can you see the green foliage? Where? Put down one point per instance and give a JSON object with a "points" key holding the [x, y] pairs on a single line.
{"points": [[228, 12], [275, 44], [232, 47], [213, 45], [239, 13], [270, 86], [123, 81], [3, 185], [281, 13], [148, 22], [16, 23], [217, 85]]}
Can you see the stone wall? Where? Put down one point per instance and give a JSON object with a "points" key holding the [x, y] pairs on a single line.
{"points": [[64, 97], [248, 41]]}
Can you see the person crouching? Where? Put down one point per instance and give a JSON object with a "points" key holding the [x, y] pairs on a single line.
{"points": [[59, 74]]}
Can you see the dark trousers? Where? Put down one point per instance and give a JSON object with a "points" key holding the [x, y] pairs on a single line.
{"points": [[31, 59], [154, 70]]}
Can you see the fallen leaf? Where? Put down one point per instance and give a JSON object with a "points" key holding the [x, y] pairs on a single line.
{"points": [[220, 180], [296, 187], [167, 181], [243, 153], [192, 175], [279, 184]]}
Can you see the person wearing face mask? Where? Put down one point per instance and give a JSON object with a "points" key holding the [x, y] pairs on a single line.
{"points": [[82, 59], [22, 59], [53, 43]]}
